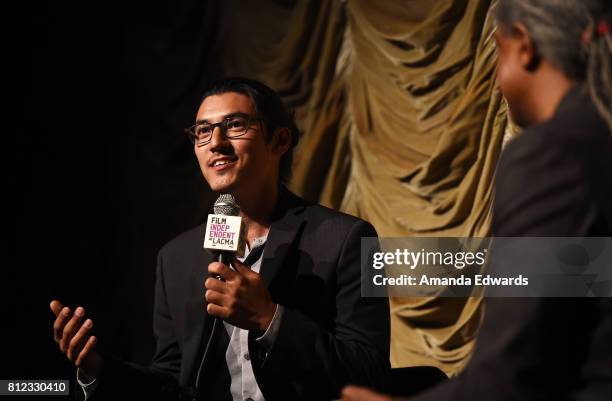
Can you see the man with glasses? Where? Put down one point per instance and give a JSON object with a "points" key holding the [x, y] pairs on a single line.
{"points": [[295, 326]]}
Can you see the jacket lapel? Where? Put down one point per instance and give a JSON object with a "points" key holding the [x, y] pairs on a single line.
{"points": [[287, 222], [279, 243], [198, 324]]}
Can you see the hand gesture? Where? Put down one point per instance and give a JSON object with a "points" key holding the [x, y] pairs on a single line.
{"points": [[72, 332], [354, 393]]}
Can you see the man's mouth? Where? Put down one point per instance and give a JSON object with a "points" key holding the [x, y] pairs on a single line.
{"points": [[222, 164]]}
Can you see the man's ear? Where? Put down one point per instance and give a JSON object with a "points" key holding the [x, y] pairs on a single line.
{"points": [[281, 140], [528, 54]]}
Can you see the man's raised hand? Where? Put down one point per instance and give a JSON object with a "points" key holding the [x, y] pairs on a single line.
{"points": [[72, 333]]}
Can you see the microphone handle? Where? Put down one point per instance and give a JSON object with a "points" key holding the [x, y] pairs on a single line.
{"points": [[225, 257]]}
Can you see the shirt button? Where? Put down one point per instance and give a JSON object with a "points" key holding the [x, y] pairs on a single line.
{"points": [[247, 357]]}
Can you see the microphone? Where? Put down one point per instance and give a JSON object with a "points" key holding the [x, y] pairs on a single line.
{"points": [[224, 236], [224, 229]]}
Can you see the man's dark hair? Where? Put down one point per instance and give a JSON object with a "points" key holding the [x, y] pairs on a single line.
{"points": [[269, 106]]}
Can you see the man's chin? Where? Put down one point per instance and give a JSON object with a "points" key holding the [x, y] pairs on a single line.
{"points": [[222, 186]]}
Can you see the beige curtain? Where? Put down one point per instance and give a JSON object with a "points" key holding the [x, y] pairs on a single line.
{"points": [[402, 126]]}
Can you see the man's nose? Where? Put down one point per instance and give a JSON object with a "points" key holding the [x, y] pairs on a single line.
{"points": [[218, 139]]}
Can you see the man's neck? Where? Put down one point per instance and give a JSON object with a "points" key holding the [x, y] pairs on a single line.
{"points": [[256, 210], [548, 91]]}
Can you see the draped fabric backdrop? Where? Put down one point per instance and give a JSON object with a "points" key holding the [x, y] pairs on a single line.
{"points": [[402, 126]]}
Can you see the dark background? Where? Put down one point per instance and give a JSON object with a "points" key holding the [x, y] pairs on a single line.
{"points": [[101, 172]]}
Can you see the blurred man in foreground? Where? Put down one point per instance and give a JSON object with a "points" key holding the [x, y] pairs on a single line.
{"points": [[555, 70]]}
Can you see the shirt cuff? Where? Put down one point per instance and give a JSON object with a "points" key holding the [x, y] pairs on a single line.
{"points": [[88, 387], [267, 338]]}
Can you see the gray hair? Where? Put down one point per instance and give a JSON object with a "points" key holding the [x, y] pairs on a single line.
{"points": [[557, 29]]}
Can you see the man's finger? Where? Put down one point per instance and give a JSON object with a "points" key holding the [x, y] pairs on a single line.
{"points": [[217, 298], [354, 393], [71, 327], [241, 268], [219, 269], [78, 341], [215, 285], [56, 307], [218, 311], [60, 322], [89, 345]]}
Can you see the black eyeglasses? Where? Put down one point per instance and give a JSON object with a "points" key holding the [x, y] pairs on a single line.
{"points": [[232, 126]]}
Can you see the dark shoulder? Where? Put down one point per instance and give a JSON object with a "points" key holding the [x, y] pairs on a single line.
{"points": [[321, 218], [576, 138], [188, 240], [325, 219], [183, 255], [316, 211], [555, 173]]}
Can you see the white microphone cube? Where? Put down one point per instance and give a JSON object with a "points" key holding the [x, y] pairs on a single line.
{"points": [[223, 233]]}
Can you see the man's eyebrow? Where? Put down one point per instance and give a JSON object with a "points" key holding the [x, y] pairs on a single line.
{"points": [[225, 117]]}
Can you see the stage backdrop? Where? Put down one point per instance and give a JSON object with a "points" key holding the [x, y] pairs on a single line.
{"points": [[402, 125]]}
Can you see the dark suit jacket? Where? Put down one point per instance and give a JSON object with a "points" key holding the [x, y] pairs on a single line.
{"points": [[329, 335], [555, 179]]}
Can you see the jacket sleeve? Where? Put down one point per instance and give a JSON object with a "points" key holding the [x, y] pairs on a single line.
{"points": [[308, 361]]}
